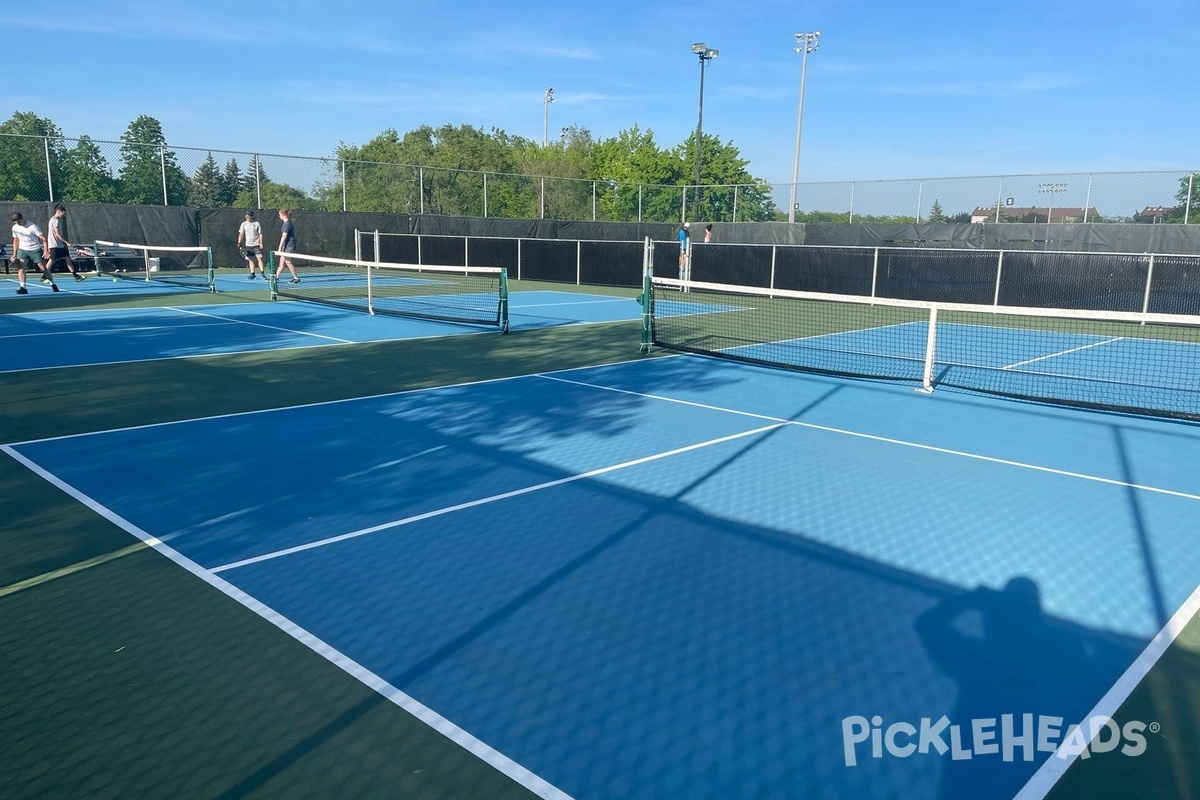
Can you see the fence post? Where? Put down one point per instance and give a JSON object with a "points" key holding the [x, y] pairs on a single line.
{"points": [[344, 186], [162, 163], [852, 186], [640, 202], [49, 177], [735, 199], [1187, 209], [1088, 200], [485, 194], [999, 198], [920, 191], [593, 201], [421, 184], [258, 179], [542, 201]]}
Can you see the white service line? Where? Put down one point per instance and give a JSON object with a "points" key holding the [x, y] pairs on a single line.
{"points": [[468, 742], [215, 323], [262, 325], [1063, 352], [889, 440], [492, 499]]}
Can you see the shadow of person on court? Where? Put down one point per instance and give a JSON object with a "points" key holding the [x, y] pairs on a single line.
{"points": [[1007, 657]]}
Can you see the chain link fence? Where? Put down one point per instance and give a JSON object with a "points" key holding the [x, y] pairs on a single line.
{"points": [[85, 170]]}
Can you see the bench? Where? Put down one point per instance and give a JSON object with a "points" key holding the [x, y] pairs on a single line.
{"points": [[112, 259]]}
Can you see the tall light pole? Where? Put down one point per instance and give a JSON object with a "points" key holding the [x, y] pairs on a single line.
{"points": [[705, 54], [1051, 189], [547, 99], [805, 43]]}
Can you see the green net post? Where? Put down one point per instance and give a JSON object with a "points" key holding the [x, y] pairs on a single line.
{"points": [[271, 275], [503, 301], [647, 305], [95, 257], [212, 273]]}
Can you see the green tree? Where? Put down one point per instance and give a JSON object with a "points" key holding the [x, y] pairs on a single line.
{"points": [[722, 165], [88, 176], [206, 184], [277, 195], [254, 178], [230, 184], [638, 166], [1187, 200], [145, 161], [23, 157], [935, 212]]}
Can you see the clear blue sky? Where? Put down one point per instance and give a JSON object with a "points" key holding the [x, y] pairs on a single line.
{"points": [[897, 89]]}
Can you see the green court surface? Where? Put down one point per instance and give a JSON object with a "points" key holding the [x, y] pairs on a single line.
{"points": [[125, 676]]}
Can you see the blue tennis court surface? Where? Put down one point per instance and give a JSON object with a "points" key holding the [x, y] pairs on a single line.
{"points": [[72, 338], [687, 578]]}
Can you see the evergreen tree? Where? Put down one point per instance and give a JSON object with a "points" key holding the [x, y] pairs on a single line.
{"points": [[87, 175], [206, 184], [230, 184], [147, 163]]}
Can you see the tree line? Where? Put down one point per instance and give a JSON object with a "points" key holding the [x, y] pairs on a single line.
{"points": [[454, 170]]}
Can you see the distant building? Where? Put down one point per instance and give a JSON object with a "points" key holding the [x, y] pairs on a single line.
{"points": [[1034, 214], [1153, 215]]}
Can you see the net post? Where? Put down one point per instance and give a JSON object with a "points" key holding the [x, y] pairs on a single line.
{"points": [[644, 298], [378, 253], [96, 257], [503, 301], [930, 349], [358, 246], [370, 293], [271, 282], [212, 273], [1149, 281], [146, 253]]}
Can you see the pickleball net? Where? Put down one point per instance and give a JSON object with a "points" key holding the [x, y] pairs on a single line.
{"points": [[1120, 361], [472, 295], [179, 266]]}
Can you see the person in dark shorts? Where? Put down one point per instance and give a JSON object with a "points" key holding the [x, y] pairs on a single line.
{"points": [[57, 244], [249, 242], [287, 244], [29, 248]]}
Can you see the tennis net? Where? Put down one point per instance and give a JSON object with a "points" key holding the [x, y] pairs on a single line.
{"points": [[181, 266], [473, 295], [1122, 361]]}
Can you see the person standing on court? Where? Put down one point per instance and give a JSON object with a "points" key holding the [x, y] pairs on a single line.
{"points": [[26, 250], [683, 251], [57, 244], [708, 233], [287, 244], [250, 233]]}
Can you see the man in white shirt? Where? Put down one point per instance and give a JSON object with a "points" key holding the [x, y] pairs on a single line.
{"points": [[250, 235], [27, 250], [57, 244]]}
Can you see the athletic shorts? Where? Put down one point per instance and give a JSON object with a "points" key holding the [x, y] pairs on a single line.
{"points": [[290, 247], [252, 252], [32, 256], [58, 254]]}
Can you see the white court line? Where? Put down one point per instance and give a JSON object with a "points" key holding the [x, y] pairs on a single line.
{"points": [[888, 440], [263, 325], [112, 330], [502, 763], [487, 500], [513, 307], [1063, 352], [1054, 767]]}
